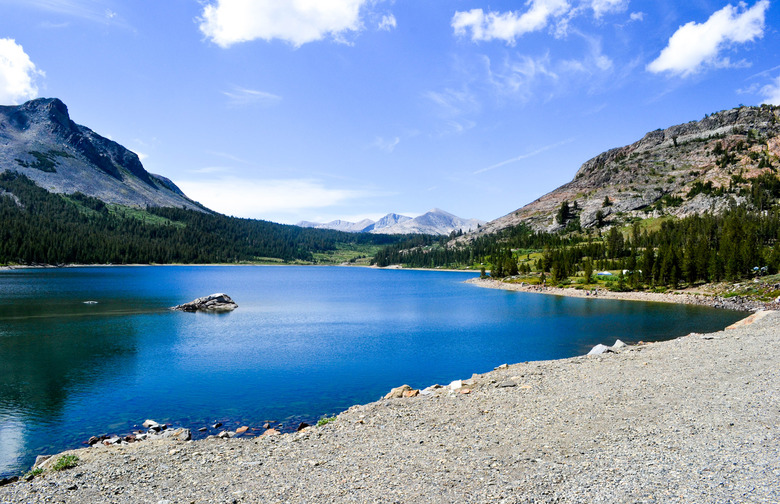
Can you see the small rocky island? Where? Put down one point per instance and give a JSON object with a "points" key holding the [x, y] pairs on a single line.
{"points": [[219, 302]]}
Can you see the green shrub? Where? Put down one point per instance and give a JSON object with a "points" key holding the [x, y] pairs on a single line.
{"points": [[33, 473], [325, 420], [65, 462]]}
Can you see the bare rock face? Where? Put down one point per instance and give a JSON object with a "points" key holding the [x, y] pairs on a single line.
{"points": [[692, 168], [214, 303], [40, 141]]}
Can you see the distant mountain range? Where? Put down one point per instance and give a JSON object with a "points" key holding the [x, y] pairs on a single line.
{"points": [[39, 140], [434, 222]]}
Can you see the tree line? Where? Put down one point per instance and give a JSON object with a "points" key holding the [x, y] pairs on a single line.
{"points": [[46, 228], [701, 248]]}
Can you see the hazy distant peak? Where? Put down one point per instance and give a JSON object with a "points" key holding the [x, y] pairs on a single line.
{"points": [[434, 222]]}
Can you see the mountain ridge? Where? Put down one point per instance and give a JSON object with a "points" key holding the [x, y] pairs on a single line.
{"points": [[433, 222], [689, 168], [38, 139]]}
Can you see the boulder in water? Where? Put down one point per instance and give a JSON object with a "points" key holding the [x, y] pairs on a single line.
{"points": [[214, 303]]}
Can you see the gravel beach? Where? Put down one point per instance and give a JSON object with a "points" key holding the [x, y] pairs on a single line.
{"points": [[679, 297], [696, 419]]}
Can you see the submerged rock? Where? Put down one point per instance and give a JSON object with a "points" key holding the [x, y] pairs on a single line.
{"points": [[219, 302]]}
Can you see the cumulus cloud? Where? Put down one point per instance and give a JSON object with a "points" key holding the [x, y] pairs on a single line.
{"points": [[228, 22], [507, 26], [771, 92], [17, 74], [637, 16], [387, 23], [266, 199], [695, 46]]}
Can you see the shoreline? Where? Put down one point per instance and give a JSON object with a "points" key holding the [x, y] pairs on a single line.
{"points": [[737, 303], [692, 419]]}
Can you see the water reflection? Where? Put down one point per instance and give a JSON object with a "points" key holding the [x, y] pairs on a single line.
{"points": [[50, 351], [44, 359]]}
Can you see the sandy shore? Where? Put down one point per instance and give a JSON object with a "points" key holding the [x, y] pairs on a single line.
{"points": [[734, 303], [696, 419]]}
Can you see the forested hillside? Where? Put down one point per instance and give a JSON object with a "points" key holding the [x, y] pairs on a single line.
{"points": [[39, 227], [739, 242], [696, 249], [700, 166]]}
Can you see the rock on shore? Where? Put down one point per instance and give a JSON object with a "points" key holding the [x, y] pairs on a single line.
{"points": [[219, 302], [696, 419]]}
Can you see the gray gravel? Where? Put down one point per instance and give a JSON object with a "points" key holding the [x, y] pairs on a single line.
{"points": [[696, 419]]}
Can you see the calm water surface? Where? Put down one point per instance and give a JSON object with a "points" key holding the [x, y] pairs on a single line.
{"points": [[305, 342]]}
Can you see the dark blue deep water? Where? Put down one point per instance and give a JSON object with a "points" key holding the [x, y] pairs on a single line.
{"points": [[304, 342]]}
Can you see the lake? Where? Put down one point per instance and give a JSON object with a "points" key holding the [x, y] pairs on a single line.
{"points": [[305, 342]]}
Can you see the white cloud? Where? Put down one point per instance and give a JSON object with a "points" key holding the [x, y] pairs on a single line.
{"points": [[329, 217], [387, 23], [518, 77], [266, 199], [227, 156], [601, 7], [242, 97], [771, 92], [750, 90], [385, 144], [526, 78], [300, 21], [508, 26], [17, 74], [454, 102], [695, 46], [90, 10], [212, 169], [524, 156], [637, 16]]}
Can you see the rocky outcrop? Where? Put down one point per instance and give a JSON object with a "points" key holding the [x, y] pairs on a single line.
{"points": [[691, 168], [214, 303]]}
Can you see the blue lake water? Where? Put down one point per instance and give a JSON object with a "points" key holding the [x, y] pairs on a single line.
{"points": [[305, 342]]}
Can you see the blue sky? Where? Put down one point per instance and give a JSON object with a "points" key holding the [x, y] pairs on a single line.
{"points": [[324, 109]]}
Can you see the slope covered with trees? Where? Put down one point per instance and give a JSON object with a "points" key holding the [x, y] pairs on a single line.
{"points": [[733, 233], [707, 248], [39, 227]]}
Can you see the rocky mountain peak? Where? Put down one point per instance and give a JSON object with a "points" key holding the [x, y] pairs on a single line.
{"points": [[699, 166], [39, 139], [434, 222]]}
